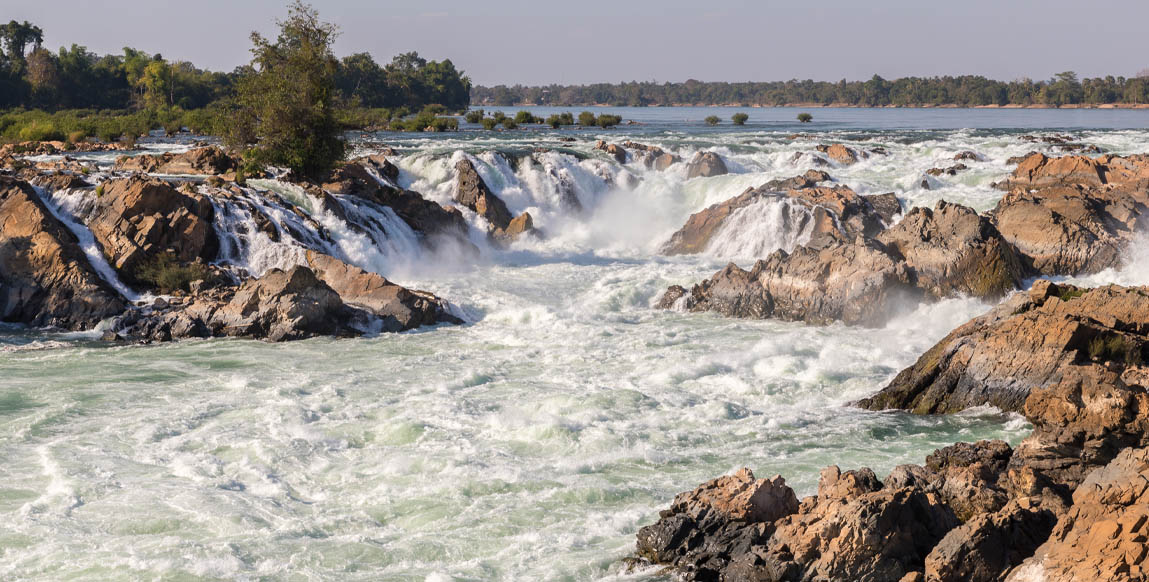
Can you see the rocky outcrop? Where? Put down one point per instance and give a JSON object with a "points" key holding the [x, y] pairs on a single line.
{"points": [[138, 219], [45, 278], [1031, 340], [953, 250], [705, 165], [209, 160], [991, 544], [401, 308], [839, 153], [651, 156], [1037, 170], [832, 209], [473, 193], [857, 282], [947, 171], [967, 155], [613, 150]]}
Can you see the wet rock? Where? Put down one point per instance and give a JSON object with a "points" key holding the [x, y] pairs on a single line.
{"points": [[887, 205], [60, 181], [614, 150], [949, 171], [705, 165], [857, 282], [967, 155], [137, 220], [651, 156], [1030, 340], [1038, 171], [209, 160], [401, 308], [991, 544], [45, 277], [954, 250], [473, 193], [839, 153], [1103, 536], [522, 225]]}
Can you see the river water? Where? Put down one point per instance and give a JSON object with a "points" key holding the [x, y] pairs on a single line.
{"points": [[531, 443]]}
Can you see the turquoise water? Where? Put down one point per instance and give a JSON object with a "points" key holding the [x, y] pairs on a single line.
{"points": [[529, 444]]}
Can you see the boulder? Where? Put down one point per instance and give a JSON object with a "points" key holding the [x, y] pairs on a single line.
{"points": [[705, 165], [857, 282], [839, 153], [990, 544], [473, 193], [138, 219], [613, 150], [967, 155], [401, 308], [1103, 536], [1028, 341], [45, 277], [948, 171], [59, 181], [209, 160], [651, 156], [953, 250]]}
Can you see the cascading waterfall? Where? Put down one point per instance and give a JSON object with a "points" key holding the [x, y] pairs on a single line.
{"points": [[68, 206], [767, 225]]}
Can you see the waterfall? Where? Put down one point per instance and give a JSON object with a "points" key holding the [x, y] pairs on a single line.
{"points": [[769, 224]]}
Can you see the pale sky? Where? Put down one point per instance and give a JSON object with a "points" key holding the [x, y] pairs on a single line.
{"points": [[585, 41]]}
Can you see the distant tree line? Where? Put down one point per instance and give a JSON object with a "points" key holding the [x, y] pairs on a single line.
{"points": [[1063, 89], [33, 77]]}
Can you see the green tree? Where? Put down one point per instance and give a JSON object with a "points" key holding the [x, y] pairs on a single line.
{"points": [[586, 119], [15, 38], [712, 120], [287, 102], [805, 117], [739, 118]]}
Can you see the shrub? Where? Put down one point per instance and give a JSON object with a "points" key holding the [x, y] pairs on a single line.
{"points": [[605, 120], [40, 131], [77, 136], [712, 120], [100, 190], [489, 123], [557, 121], [509, 123], [165, 273], [526, 118], [499, 116], [805, 117], [475, 116], [586, 119], [739, 118]]}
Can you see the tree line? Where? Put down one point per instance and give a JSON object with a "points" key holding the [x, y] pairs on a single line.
{"points": [[967, 91], [33, 77]]}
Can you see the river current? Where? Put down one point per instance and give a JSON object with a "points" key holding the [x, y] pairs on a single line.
{"points": [[531, 443]]}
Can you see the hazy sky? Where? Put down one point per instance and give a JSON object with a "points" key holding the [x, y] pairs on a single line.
{"points": [[581, 41]]}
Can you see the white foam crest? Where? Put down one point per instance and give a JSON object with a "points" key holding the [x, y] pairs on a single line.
{"points": [[767, 225]]}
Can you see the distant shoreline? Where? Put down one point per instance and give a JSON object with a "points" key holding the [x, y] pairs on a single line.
{"points": [[835, 106]]}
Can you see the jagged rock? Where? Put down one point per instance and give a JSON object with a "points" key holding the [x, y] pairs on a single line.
{"points": [[1030, 340], [45, 278], [949, 171], [832, 209], [401, 308], [473, 193], [522, 225], [59, 181], [209, 160], [886, 205], [665, 161], [1037, 170], [705, 165], [138, 219], [1103, 536], [1070, 230], [839, 153], [651, 156], [953, 250], [616, 151], [857, 282], [1018, 159], [990, 544], [1085, 419], [967, 155]]}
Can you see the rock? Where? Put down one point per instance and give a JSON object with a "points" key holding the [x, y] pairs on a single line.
{"points": [[473, 193], [60, 181], [1103, 536], [671, 297], [839, 153], [138, 219], [887, 206], [664, 161], [832, 209], [1038, 171], [45, 278], [651, 156], [522, 225], [615, 151], [1070, 230], [990, 544], [209, 160], [953, 250], [968, 476], [401, 308], [739, 497], [1030, 340], [705, 165], [967, 155], [856, 282], [950, 171]]}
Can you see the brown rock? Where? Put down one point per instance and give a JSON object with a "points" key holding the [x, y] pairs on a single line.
{"points": [[990, 544], [839, 153], [614, 150], [209, 160], [473, 193], [45, 278], [705, 165]]}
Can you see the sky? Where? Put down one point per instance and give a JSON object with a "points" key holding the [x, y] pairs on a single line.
{"points": [[588, 41]]}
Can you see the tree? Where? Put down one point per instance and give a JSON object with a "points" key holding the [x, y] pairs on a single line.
{"points": [[586, 119], [739, 118], [287, 102], [805, 117], [15, 38], [712, 120]]}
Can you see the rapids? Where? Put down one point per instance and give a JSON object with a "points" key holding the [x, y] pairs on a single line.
{"points": [[529, 444]]}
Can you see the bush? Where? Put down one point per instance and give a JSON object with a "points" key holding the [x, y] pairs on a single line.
{"points": [[499, 116], [712, 120], [557, 121], [805, 117], [739, 118], [526, 118], [40, 131], [474, 116], [509, 123], [605, 120], [77, 137], [166, 274], [586, 119], [489, 123]]}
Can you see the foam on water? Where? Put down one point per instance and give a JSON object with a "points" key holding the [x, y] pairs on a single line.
{"points": [[529, 445]]}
